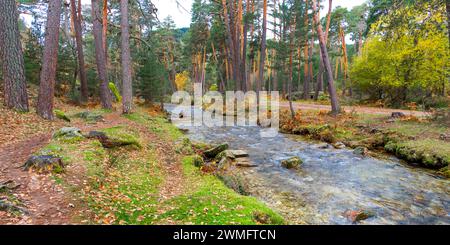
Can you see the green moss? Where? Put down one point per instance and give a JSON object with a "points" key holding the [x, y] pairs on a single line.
{"points": [[123, 135], [211, 202], [61, 115], [115, 92]]}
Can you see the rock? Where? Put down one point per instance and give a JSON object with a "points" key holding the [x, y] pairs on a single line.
{"points": [[198, 161], [293, 162], [225, 154], [397, 115], [358, 215], [361, 151], [239, 153], [445, 137], [7, 206], [96, 135], [108, 142], [68, 132], [245, 163], [90, 116], [61, 115], [224, 164], [265, 123], [44, 164], [213, 152], [339, 145], [323, 146]]}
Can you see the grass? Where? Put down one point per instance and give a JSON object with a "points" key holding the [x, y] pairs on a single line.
{"points": [[209, 201], [123, 184]]}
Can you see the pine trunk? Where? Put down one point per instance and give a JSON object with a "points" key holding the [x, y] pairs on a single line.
{"points": [[49, 61], [126, 59], [105, 95], [80, 52], [263, 50], [15, 87], [335, 108]]}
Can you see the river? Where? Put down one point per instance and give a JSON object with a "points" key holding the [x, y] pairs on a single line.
{"points": [[332, 182]]}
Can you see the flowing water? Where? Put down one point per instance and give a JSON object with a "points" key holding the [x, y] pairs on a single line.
{"points": [[331, 182]]}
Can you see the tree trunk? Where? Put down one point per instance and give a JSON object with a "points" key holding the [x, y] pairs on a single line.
{"points": [[335, 108], [80, 52], [105, 95], [15, 87], [306, 56], [49, 61], [105, 27], [448, 19], [126, 59], [263, 50]]}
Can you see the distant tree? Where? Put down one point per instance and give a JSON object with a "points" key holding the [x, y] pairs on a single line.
{"points": [[15, 88], [49, 61], [100, 55], [127, 92], [76, 18]]}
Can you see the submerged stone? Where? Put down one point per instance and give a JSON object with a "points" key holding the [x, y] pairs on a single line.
{"points": [[291, 163], [361, 151]]}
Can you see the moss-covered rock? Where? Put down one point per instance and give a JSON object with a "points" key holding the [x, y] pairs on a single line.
{"points": [[292, 163], [198, 161], [68, 133], [90, 117], [61, 115], [44, 164], [213, 152]]}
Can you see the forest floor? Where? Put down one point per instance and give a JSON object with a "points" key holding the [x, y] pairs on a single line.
{"points": [[350, 109], [153, 181]]}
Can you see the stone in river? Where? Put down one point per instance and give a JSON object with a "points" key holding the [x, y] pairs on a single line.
{"points": [[213, 152], [239, 153], [339, 145], [293, 162]]}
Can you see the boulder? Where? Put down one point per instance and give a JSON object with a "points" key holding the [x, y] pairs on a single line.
{"points": [[213, 152], [339, 145], [239, 153], [68, 133], [291, 163], [109, 142], [90, 116], [323, 146], [198, 161], [225, 154], [245, 163], [358, 215], [397, 115], [361, 151], [44, 163], [61, 115]]}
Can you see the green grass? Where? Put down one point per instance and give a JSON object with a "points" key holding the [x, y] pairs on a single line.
{"points": [[123, 184], [209, 201]]}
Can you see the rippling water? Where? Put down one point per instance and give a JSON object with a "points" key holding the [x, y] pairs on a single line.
{"points": [[331, 182]]}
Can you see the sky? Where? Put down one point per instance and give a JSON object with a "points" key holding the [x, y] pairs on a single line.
{"points": [[182, 17]]}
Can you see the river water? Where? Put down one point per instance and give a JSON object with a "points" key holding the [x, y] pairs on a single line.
{"points": [[332, 182]]}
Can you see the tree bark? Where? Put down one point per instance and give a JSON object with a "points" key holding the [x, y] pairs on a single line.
{"points": [[105, 95], [80, 52], [127, 92], [335, 108], [49, 61], [263, 50], [15, 87], [447, 5]]}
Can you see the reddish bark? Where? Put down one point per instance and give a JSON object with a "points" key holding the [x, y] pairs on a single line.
{"points": [[49, 61], [15, 87]]}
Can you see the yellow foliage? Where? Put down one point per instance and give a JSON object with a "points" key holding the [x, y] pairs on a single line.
{"points": [[181, 80]]}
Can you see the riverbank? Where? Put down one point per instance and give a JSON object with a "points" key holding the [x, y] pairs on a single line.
{"points": [[134, 169], [419, 141]]}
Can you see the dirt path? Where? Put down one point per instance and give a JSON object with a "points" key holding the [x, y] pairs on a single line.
{"points": [[358, 109], [46, 201]]}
